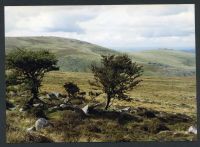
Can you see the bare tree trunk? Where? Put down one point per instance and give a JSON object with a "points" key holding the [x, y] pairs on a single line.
{"points": [[34, 91], [108, 102]]}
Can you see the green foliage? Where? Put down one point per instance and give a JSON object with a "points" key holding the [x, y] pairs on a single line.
{"points": [[31, 66], [72, 89], [116, 75], [11, 78]]}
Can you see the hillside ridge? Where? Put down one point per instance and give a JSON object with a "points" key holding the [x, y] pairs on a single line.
{"points": [[77, 55]]}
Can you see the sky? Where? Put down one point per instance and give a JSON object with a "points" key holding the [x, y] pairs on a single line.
{"points": [[120, 27]]}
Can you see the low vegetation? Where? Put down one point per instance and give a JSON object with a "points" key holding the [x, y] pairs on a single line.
{"points": [[108, 104], [169, 96]]}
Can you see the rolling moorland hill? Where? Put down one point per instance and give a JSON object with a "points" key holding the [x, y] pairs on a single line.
{"points": [[76, 55]]}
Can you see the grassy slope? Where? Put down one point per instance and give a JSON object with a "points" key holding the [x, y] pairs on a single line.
{"points": [[75, 55], [155, 92], [167, 62], [171, 95]]}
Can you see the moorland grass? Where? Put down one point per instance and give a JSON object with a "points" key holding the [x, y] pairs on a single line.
{"points": [[170, 95]]}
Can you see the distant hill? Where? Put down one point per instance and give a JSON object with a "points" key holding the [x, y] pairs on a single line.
{"points": [[166, 61], [73, 55], [76, 55], [189, 50]]}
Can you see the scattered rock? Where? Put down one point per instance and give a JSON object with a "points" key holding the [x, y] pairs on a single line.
{"points": [[55, 108], [62, 106], [41, 123], [38, 105], [14, 108], [66, 100], [31, 129], [85, 109], [127, 110], [192, 130], [57, 94], [53, 95], [22, 110], [93, 106], [41, 97]]}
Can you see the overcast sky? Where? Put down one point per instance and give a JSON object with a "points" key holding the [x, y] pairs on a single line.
{"points": [[119, 27]]}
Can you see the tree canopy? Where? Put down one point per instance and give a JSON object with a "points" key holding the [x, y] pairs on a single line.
{"points": [[31, 66], [116, 75]]}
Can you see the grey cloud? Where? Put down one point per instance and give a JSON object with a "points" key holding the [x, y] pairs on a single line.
{"points": [[68, 23], [169, 10], [145, 24], [170, 31]]}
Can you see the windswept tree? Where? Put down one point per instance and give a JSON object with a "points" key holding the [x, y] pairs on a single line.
{"points": [[116, 75], [31, 67]]}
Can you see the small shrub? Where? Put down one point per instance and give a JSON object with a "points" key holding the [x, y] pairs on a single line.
{"points": [[72, 89]]}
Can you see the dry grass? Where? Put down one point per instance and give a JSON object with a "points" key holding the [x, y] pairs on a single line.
{"points": [[167, 94]]}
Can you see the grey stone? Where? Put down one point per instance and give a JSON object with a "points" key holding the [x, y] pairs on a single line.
{"points": [[53, 108], [66, 100], [21, 110], [63, 105], [37, 105], [127, 109], [14, 108], [41, 97], [57, 94], [31, 129], [192, 130], [85, 109], [41, 123], [53, 95]]}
